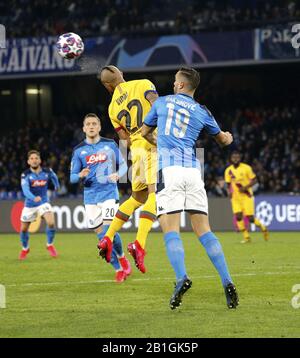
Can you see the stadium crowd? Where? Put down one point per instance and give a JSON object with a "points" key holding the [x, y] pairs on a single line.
{"points": [[268, 138], [24, 18]]}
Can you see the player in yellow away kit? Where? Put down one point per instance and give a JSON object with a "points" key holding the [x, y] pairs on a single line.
{"points": [[130, 103], [240, 178]]}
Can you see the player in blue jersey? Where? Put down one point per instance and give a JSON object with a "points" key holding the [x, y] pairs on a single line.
{"points": [[180, 120], [95, 162], [34, 182]]}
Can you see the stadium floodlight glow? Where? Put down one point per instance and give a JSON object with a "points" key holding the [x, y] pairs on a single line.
{"points": [[34, 91], [6, 92]]}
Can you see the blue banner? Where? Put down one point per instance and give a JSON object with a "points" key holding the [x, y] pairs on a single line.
{"points": [[280, 42], [40, 56], [279, 213]]}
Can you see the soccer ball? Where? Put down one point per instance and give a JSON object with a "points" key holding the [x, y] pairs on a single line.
{"points": [[70, 45]]}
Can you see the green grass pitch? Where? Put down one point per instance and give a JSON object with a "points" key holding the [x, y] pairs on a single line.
{"points": [[75, 295]]}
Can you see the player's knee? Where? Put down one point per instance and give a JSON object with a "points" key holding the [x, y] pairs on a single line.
{"points": [[101, 230], [24, 227], [51, 225]]}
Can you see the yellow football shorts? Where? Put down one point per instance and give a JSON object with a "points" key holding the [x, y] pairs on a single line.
{"points": [[243, 204], [144, 167]]}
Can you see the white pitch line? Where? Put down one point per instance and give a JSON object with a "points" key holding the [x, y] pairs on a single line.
{"points": [[144, 279]]}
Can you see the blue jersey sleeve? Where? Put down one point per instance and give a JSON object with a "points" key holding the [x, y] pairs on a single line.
{"points": [[151, 119], [211, 126], [76, 167], [119, 161], [54, 179], [26, 187]]}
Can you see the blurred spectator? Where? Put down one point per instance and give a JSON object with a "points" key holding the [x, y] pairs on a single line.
{"points": [[24, 18]]}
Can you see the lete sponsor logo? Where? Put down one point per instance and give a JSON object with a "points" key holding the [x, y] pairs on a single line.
{"points": [[36, 183], [96, 158]]}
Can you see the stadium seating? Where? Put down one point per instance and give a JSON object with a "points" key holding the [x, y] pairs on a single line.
{"points": [[131, 17]]}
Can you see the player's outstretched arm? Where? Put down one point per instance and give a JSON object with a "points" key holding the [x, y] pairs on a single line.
{"points": [[224, 138]]}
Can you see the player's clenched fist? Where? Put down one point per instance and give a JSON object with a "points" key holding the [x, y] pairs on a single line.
{"points": [[228, 138], [84, 173]]}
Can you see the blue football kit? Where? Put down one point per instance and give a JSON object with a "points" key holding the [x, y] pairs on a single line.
{"points": [[100, 193], [179, 119], [102, 158], [36, 184]]}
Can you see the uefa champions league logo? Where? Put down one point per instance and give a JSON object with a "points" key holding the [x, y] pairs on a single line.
{"points": [[264, 213]]}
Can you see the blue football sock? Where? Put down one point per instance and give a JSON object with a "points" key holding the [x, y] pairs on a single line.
{"points": [[50, 235], [24, 237], [215, 253], [114, 258], [175, 253], [117, 244]]}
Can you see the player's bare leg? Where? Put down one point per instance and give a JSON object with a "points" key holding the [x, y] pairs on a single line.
{"points": [[24, 236], [118, 260], [50, 231], [170, 224], [147, 217], [257, 223], [242, 228], [213, 248]]}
